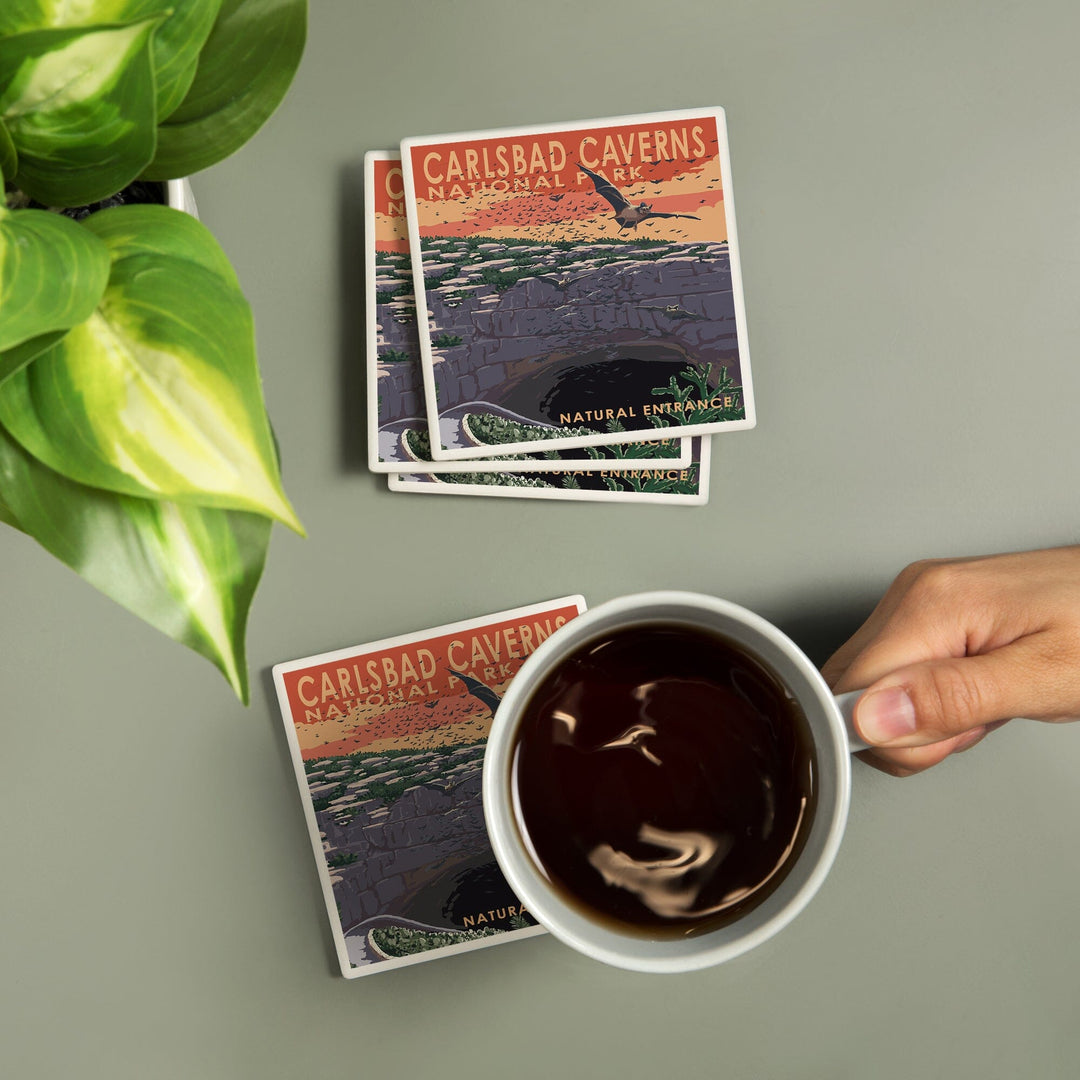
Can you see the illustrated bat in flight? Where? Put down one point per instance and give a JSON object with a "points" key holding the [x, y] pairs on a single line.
{"points": [[626, 214], [479, 690]]}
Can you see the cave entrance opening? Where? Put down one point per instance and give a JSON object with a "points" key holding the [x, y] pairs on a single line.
{"points": [[595, 382]]}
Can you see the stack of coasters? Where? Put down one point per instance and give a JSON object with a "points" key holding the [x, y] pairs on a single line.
{"points": [[556, 312]]}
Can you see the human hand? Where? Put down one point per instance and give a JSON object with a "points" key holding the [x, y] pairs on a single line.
{"points": [[957, 647]]}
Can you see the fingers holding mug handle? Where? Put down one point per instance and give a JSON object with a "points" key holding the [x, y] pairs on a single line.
{"points": [[904, 761]]}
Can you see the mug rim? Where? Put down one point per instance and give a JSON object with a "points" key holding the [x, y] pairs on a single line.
{"points": [[635, 951]]}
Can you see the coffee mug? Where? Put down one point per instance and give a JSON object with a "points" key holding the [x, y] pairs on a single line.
{"points": [[828, 719]]}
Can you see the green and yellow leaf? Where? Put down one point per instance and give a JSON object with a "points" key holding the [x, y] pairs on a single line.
{"points": [[9, 158], [189, 571], [157, 394], [175, 51], [158, 230], [16, 358], [79, 107], [53, 272]]}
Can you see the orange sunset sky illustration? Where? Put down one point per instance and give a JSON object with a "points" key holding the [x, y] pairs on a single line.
{"points": [[420, 725], [564, 204]]}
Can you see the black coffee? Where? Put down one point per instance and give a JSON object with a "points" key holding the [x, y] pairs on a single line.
{"points": [[664, 779]]}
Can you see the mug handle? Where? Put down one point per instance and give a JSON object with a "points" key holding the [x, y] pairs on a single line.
{"points": [[846, 704]]}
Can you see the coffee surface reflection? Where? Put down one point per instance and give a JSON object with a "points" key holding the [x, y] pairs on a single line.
{"points": [[663, 779]]}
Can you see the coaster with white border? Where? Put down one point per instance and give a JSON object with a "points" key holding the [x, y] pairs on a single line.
{"points": [[580, 276], [387, 742]]}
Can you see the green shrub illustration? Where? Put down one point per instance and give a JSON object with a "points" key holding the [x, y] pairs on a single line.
{"points": [[341, 858], [404, 941], [692, 384]]}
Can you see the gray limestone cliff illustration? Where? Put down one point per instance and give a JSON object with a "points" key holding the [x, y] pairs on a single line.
{"points": [[514, 320], [397, 829]]}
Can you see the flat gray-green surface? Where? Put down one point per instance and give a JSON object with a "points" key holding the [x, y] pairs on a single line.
{"points": [[906, 183]]}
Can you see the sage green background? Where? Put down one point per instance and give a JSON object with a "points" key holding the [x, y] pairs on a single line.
{"points": [[907, 177]]}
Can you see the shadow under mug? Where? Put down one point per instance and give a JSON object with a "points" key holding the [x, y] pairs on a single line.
{"points": [[834, 740]]}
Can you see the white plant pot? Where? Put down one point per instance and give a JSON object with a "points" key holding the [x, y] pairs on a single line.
{"points": [[178, 195]]}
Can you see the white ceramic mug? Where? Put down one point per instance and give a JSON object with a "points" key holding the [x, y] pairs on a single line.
{"points": [[834, 741]]}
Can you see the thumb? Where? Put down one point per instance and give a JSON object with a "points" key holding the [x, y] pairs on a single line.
{"points": [[938, 699]]}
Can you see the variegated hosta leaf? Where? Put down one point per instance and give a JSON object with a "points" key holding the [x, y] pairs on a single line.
{"points": [[9, 157], [245, 68], [176, 44], [190, 571], [157, 394], [79, 107], [7, 515], [14, 359], [149, 229], [53, 272]]}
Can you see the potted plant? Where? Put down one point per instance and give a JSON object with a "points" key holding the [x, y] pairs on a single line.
{"points": [[134, 441]]}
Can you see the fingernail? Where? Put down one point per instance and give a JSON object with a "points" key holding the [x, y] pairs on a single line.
{"points": [[885, 715], [970, 738]]}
